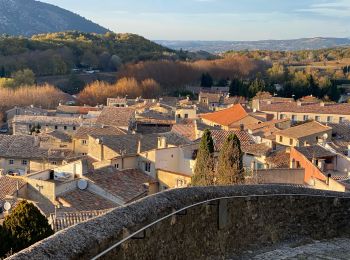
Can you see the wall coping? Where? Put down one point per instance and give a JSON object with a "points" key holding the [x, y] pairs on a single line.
{"points": [[85, 240]]}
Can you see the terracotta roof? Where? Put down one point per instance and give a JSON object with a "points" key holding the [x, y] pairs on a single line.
{"points": [[266, 124], [186, 130], [80, 110], [278, 159], [84, 131], [129, 143], [128, 184], [52, 120], [315, 151], [292, 107], [257, 149], [8, 186], [116, 116], [68, 219], [228, 116], [58, 135], [82, 200], [220, 136], [212, 97], [303, 130]]}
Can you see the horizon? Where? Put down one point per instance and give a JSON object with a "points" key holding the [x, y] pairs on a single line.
{"points": [[218, 20]]}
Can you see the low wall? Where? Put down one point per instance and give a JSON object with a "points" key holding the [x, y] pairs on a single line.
{"points": [[281, 176], [261, 215]]}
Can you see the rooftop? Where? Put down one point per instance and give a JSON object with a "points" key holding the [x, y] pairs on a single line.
{"points": [[9, 186], [80, 110], [128, 184], [315, 151], [304, 130], [220, 136], [51, 120], [228, 116], [84, 131], [316, 108], [129, 143], [81, 200], [116, 116]]}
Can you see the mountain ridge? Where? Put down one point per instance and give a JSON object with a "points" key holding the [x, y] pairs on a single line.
{"points": [[271, 45], [31, 17]]}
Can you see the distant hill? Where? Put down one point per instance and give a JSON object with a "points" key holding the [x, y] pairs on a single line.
{"points": [[29, 17], [272, 45], [59, 53]]}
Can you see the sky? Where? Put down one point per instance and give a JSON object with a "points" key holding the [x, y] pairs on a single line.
{"points": [[217, 19]]}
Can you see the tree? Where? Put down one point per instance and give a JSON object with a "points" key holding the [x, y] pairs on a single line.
{"points": [[204, 169], [206, 80], [258, 85], [23, 77], [5, 242], [26, 225], [230, 163]]}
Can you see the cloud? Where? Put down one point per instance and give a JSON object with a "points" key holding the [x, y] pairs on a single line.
{"points": [[335, 9]]}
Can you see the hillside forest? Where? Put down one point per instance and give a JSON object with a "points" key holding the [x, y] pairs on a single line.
{"points": [[142, 68]]}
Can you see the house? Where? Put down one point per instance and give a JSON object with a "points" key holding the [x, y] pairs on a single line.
{"points": [[24, 125], [55, 140], [21, 154], [80, 140], [299, 111], [254, 153], [117, 102], [321, 167], [154, 121], [210, 99], [75, 111], [232, 118], [304, 135], [11, 189], [24, 111], [186, 112], [132, 151]]}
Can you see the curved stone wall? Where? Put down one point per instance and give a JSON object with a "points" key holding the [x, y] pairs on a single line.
{"points": [[210, 230]]}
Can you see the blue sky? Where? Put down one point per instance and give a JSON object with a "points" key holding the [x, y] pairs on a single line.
{"points": [[217, 19]]}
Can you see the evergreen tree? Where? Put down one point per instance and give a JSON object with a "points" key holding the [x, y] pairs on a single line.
{"points": [[2, 72], [5, 242], [230, 164], [206, 80], [26, 225], [204, 170]]}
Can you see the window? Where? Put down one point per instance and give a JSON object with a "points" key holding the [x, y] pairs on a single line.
{"points": [[83, 154], [56, 127], [11, 162], [116, 165], [65, 127], [291, 141], [84, 142], [306, 117], [341, 119], [186, 115], [180, 183], [281, 139], [54, 163], [74, 128], [294, 118], [24, 162], [282, 116], [318, 118], [147, 167], [329, 119], [178, 116]]}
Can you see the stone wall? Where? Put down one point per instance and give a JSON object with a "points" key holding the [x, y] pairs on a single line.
{"points": [[257, 216]]}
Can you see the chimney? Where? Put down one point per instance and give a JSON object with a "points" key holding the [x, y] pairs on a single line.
{"points": [[36, 141], [139, 146], [162, 142], [299, 103], [322, 104], [241, 127], [328, 177]]}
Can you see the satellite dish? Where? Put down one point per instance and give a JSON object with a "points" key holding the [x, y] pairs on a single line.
{"points": [[7, 206], [82, 184]]}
